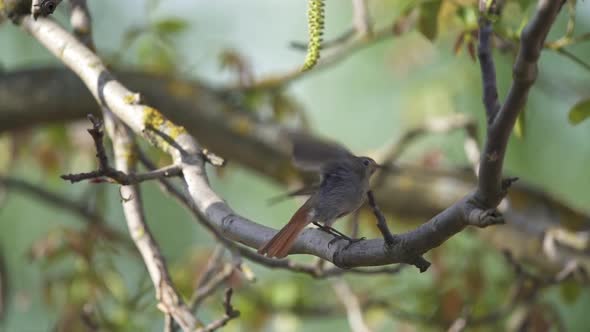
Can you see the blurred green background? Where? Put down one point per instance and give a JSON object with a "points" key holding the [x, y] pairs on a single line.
{"points": [[365, 102]]}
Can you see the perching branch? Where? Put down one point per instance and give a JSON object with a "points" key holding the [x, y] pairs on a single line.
{"points": [[285, 264]]}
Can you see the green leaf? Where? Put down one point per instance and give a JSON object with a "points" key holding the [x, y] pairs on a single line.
{"points": [[570, 291], [154, 55], [524, 4], [580, 112], [520, 125], [285, 294], [132, 34], [428, 19], [170, 25]]}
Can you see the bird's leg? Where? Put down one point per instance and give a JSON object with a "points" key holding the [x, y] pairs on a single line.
{"points": [[337, 234], [332, 231]]}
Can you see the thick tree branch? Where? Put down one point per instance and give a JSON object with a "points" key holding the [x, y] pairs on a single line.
{"points": [[490, 190]]}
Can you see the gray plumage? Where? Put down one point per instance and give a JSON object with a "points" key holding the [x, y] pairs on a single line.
{"points": [[342, 190]]}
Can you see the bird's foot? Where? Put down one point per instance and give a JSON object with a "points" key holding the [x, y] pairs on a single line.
{"points": [[353, 241], [337, 235]]}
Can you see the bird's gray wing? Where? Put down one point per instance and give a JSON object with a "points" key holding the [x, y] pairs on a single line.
{"points": [[304, 191], [313, 154]]}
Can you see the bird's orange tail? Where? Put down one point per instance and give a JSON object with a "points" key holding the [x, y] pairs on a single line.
{"points": [[282, 242]]}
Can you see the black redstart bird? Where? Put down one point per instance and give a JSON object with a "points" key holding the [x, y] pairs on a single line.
{"points": [[342, 190]]}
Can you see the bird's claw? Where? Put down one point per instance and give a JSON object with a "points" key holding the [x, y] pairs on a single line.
{"points": [[353, 241], [337, 235]]}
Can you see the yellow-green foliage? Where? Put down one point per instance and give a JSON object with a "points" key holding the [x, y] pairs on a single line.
{"points": [[154, 119], [315, 21], [13, 8]]}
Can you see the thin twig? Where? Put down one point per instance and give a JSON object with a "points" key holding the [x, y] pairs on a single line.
{"points": [[390, 240], [59, 201], [168, 323], [104, 170], [94, 219], [205, 289], [230, 313], [488, 69], [432, 126], [573, 57], [381, 221], [81, 21], [568, 38], [571, 270], [121, 178], [212, 266], [343, 38], [170, 302], [525, 289], [329, 57]]}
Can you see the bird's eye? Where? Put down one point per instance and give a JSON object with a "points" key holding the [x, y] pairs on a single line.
{"points": [[366, 162]]}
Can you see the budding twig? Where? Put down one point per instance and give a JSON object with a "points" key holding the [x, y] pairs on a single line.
{"points": [[105, 170]]}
